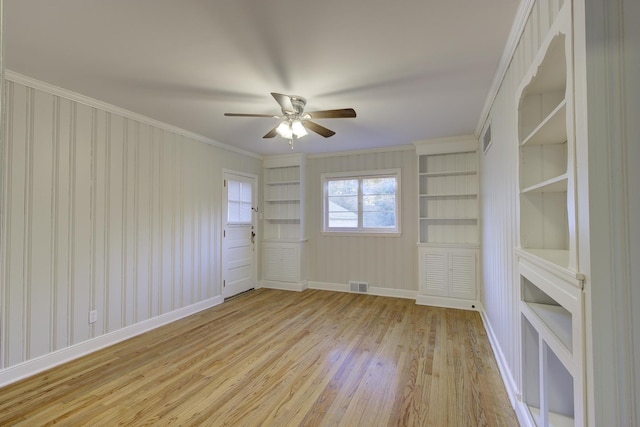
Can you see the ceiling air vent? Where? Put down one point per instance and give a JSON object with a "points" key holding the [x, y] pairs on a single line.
{"points": [[359, 287]]}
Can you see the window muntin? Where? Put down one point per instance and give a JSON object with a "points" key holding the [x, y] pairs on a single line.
{"points": [[239, 201], [363, 202]]}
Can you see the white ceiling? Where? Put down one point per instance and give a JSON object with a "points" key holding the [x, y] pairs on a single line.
{"points": [[412, 69]]}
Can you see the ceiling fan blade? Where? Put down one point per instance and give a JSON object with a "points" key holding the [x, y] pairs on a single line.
{"points": [[321, 130], [272, 133], [249, 115], [333, 114], [285, 102]]}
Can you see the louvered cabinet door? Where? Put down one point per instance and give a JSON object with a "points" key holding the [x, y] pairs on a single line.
{"points": [[434, 273], [448, 272], [462, 279], [290, 264], [272, 262], [281, 262]]}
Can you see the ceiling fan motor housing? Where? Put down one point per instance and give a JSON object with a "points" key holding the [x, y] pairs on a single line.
{"points": [[298, 103]]}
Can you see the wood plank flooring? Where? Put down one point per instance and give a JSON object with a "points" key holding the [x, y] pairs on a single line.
{"points": [[276, 358]]}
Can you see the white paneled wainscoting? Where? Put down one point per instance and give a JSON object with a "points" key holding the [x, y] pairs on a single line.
{"points": [[105, 211]]}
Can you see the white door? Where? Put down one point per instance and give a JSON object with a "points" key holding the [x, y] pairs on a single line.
{"points": [[239, 267]]}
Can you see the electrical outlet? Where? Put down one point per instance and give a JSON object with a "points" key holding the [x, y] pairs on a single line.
{"points": [[93, 316]]}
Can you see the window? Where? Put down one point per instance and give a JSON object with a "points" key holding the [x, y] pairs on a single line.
{"points": [[362, 202], [239, 202]]}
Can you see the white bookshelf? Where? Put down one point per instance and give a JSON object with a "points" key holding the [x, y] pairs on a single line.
{"points": [[283, 222], [448, 192], [546, 140], [283, 198], [552, 300], [448, 216], [552, 322]]}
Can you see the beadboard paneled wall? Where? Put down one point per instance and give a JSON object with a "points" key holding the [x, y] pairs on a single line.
{"points": [[103, 212], [499, 188], [384, 262]]}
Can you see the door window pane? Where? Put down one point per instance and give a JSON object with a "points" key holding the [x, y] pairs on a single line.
{"points": [[239, 199]]}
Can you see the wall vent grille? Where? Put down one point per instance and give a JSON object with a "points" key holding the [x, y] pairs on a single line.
{"points": [[486, 139], [360, 287]]}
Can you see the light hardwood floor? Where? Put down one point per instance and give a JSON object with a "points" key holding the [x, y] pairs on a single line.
{"points": [[276, 358]]}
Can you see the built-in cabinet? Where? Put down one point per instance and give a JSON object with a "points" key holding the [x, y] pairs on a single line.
{"points": [[284, 236], [448, 246], [448, 272], [551, 296]]}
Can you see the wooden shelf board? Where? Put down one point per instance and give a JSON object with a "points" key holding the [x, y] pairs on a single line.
{"points": [[557, 319], [442, 196], [555, 261], [557, 257], [556, 184], [552, 130], [282, 183], [449, 173]]}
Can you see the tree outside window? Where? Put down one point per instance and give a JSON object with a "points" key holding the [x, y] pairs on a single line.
{"points": [[366, 203]]}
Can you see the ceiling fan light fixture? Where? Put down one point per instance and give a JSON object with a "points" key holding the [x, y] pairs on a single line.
{"points": [[284, 130], [298, 129], [294, 122]]}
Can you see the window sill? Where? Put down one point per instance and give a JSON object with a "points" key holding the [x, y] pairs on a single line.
{"points": [[359, 234]]}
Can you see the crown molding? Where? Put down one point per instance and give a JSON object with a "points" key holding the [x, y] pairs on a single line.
{"points": [[94, 103], [522, 15], [365, 151]]}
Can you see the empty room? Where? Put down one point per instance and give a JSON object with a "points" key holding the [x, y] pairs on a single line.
{"points": [[295, 213]]}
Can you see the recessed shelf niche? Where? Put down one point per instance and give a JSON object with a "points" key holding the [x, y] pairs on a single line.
{"points": [[448, 197], [546, 164], [448, 217], [284, 241], [550, 356]]}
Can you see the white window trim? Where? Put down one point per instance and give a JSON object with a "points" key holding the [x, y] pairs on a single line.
{"points": [[396, 172]]}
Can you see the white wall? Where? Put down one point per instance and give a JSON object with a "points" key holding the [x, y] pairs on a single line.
{"points": [[101, 210], [499, 189], [385, 262], [609, 77]]}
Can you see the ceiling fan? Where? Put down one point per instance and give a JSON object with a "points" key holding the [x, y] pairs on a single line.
{"points": [[294, 122]]}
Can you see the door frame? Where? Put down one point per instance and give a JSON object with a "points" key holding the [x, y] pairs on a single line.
{"points": [[254, 220]]}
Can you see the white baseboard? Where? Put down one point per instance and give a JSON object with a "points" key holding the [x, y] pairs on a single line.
{"points": [[462, 304], [522, 412], [284, 286], [39, 364], [524, 416], [382, 292]]}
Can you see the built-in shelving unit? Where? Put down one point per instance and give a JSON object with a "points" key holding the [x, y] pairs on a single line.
{"points": [[552, 321], [547, 199], [448, 221], [448, 192], [284, 227], [283, 204], [551, 306]]}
